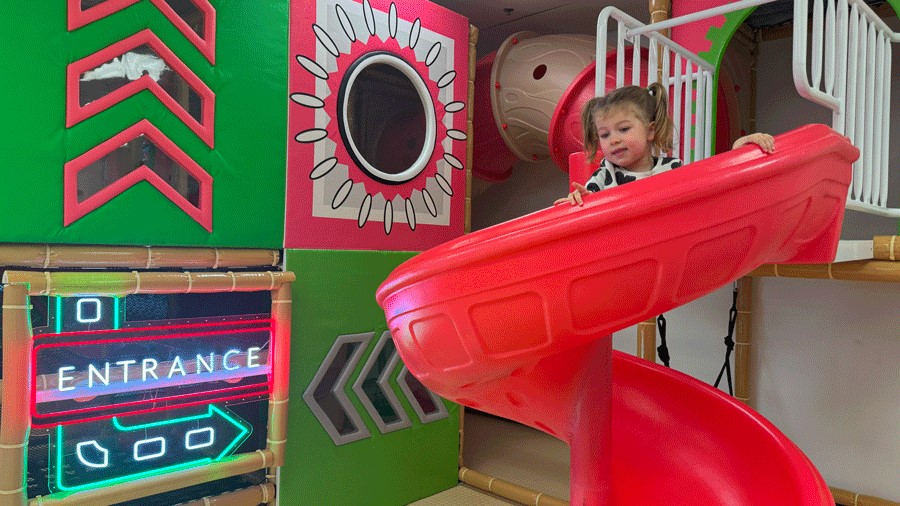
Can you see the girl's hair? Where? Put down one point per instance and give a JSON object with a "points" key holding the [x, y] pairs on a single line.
{"points": [[650, 104]]}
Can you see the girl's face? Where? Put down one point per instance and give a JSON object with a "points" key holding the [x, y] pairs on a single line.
{"points": [[625, 139]]}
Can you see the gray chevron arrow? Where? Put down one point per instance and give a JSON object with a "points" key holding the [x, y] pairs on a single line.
{"points": [[374, 390], [427, 405], [325, 394]]}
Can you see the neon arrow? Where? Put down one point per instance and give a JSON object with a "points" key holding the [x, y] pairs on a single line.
{"points": [[242, 426], [100, 453]]}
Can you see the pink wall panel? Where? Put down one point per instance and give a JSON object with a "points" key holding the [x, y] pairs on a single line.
{"points": [[367, 170], [693, 35]]}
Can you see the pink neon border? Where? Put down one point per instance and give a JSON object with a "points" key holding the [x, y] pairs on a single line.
{"points": [[262, 323], [75, 112], [206, 44], [74, 210], [258, 390]]}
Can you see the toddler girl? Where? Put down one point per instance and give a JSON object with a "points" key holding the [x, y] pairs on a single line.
{"points": [[632, 127]]}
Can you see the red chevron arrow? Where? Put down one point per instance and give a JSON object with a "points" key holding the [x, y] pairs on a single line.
{"points": [[206, 43], [73, 209], [75, 112]]}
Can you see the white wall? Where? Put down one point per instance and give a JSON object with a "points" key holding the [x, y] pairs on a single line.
{"points": [[825, 353]]}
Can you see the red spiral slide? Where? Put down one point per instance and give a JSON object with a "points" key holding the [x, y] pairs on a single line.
{"points": [[515, 320]]}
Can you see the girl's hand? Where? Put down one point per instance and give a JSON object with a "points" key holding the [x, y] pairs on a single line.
{"points": [[574, 197], [764, 141]]}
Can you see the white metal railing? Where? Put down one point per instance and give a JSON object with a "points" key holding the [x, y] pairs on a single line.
{"points": [[687, 77], [849, 71]]}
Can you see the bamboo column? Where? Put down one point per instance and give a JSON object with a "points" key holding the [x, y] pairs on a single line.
{"points": [[646, 330], [281, 370], [646, 339], [15, 421], [742, 337], [470, 145]]}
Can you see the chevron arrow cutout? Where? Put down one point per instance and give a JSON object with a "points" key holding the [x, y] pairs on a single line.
{"points": [[205, 43], [374, 390], [74, 210], [325, 394], [327, 399], [75, 112], [427, 405]]}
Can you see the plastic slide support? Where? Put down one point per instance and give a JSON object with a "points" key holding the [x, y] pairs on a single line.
{"points": [[515, 320]]}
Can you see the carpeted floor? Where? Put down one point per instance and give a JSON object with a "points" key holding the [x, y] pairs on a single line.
{"points": [[462, 495]]}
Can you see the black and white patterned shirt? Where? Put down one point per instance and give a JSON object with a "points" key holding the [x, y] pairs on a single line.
{"points": [[610, 174]]}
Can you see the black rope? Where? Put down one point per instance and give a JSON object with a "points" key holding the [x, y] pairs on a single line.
{"points": [[729, 343], [662, 351]]}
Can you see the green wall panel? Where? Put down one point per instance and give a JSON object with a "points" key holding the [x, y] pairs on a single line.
{"points": [[247, 163], [335, 295]]}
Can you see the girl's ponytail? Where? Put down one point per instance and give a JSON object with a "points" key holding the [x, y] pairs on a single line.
{"points": [[662, 141], [590, 140]]}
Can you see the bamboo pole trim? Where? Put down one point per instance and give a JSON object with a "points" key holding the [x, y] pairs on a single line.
{"points": [[891, 249], [857, 270], [272, 277], [10, 492], [282, 301], [265, 492], [13, 306], [275, 403], [190, 281], [265, 462], [48, 256], [216, 263], [11, 447], [507, 490], [274, 442], [120, 283]]}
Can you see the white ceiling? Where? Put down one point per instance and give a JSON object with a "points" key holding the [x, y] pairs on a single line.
{"points": [[495, 23]]}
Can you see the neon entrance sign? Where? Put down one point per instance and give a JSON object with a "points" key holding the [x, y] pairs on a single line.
{"points": [[106, 452], [79, 376]]}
